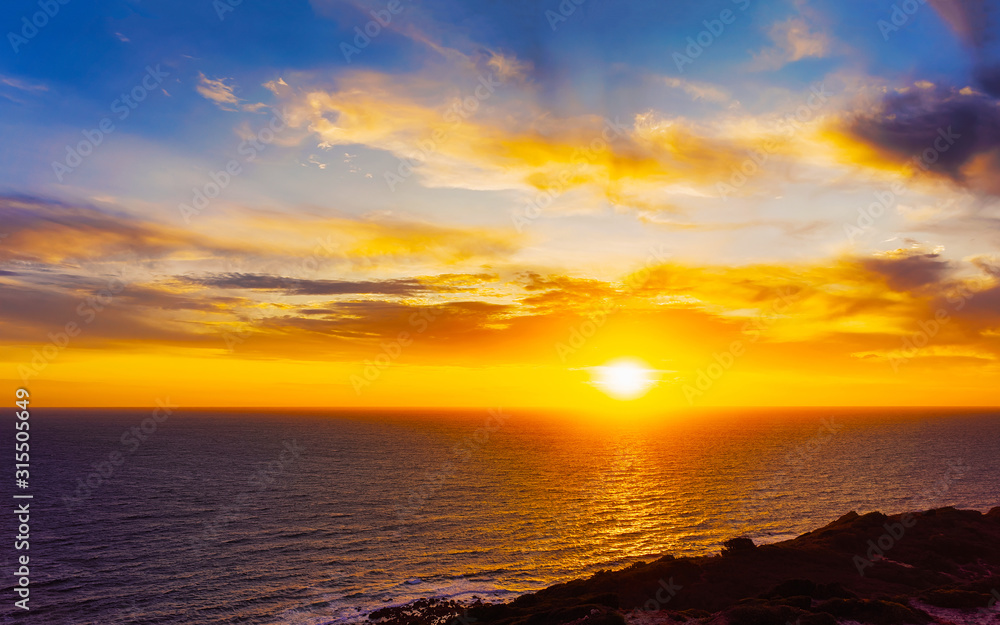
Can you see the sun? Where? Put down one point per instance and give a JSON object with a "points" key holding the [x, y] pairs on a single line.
{"points": [[624, 379]]}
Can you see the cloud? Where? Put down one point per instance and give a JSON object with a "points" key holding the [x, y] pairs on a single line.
{"points": [[835, 306], [700, 90], [931, 130], [385, 240], [988, 77], [987, 264], [276, 86], [794, 40], [56, 233], [792, 228], [975, 23], [508, 67], [111, 311], [217, 91], [355, 329], [50, 232], [970, 19], [444, 135], [906, 270], [21, 85], [555, 293], [223, 94], [398, 239], [295, 286]]}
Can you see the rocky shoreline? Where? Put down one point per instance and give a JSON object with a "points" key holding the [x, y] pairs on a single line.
{"points": [[939, 566]]}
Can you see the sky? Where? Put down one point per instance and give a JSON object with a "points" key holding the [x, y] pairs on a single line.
{"points": [[457, 203]]}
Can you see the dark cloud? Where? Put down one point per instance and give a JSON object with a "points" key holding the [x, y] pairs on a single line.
{"points": [[987, 265], [41, 230], [403, 287], [950, 127], [537, 282], [122, 313], [982, 305], [988, 77], [369, 322], [124, 290], [970, 19], [975, 22], [298, 286], [152, 297], [910, 272], [558, 292]]}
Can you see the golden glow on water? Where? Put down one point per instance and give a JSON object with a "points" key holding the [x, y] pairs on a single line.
{"points": [[603, 494], [547, 498]]}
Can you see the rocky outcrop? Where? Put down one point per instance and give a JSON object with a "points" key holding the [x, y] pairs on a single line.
{"points": [[871, 568]]}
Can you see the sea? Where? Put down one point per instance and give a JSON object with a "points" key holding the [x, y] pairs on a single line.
{"points": [[293, 517]]}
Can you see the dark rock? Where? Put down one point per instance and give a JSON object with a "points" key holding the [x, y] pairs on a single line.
{"points": [[820, 618], [792, 588], [801, 602], [945, 557], [740, 544], [874, 612], [956, 599], [761, 615]]}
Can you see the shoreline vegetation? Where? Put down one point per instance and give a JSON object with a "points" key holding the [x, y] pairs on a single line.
{"points": [[940, 566]]}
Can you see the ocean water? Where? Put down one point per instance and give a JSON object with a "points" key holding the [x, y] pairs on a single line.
{"points": [[319, 517]]}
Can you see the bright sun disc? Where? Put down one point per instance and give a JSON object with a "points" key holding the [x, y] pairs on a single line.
{"points": [[623, 379]]}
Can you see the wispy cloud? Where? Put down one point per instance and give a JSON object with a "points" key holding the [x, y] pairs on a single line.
{"points": [[794, 39], [700, 90], [217, 91], [222, 92], [22, 85]]}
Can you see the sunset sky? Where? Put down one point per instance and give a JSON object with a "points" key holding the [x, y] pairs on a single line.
{"points": [[484, 203]]}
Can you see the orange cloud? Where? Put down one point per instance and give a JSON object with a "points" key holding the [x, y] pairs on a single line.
{"points": [[479, 131], [849, 317]]}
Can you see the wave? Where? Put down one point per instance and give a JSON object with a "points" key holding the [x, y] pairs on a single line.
{"points": [[357, 608]]}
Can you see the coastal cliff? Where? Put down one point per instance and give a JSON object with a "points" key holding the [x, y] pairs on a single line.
{"points": [[938, 566]]}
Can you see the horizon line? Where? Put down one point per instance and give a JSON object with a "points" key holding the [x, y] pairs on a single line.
{"points": [[551, 408]]}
